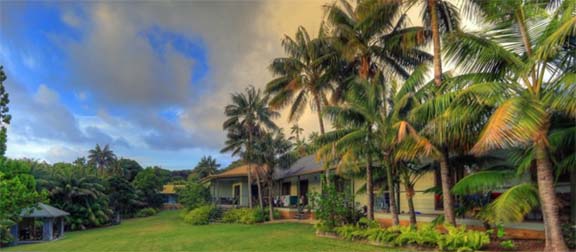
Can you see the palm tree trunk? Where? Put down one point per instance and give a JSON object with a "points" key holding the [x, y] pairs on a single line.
{"points": [[250, 185], [364, 67], [447, 198], [573, 193], [321, 122], [436, 41], [392, 197], [259, 185], [270, 198], [410, 198], [369, 187], [548, 201]]}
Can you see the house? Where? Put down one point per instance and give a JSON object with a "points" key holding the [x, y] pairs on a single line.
{"points": [[170, 196], [230, 188], [40, 223]]}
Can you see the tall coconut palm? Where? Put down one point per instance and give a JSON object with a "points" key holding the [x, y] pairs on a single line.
{"points": [[373, 36], [356, 138], [102, 158], [248, 114], [527, 49], [304, 76], [439, 17]]}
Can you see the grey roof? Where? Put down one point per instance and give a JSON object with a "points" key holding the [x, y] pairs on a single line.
{"points": [[43, 210], [305, 165]]}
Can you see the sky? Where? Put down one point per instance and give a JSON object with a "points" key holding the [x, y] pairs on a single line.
{"points": [[150, 79]]}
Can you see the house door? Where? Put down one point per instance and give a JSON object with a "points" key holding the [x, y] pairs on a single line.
{"points": [[236, 194], [304, 192], [303, 187]]}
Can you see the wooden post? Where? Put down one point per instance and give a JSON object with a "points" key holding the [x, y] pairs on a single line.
{"points": [[14, 231], [61, 226], [47, 229], [298, 193]]}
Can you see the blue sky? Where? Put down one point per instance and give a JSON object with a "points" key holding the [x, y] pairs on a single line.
{"points": [[149, 79]]}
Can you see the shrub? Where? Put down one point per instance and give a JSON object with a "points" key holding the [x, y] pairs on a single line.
{"points": [[509, 244], [193, 195], [569, 233], [458, 238], [383, 236], [359, 231], [201, 215], [425, 235], [145, 212], [333, 208], [247, 215]]}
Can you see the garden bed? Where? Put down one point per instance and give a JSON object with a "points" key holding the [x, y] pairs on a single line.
{"points": [[520, 245]]}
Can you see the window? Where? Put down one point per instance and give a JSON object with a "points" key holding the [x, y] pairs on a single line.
{"points": [[286, 188]]}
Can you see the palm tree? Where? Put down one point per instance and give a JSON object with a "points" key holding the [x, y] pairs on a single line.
{"points": [[538, 81], [206, 167], [273, 150], [80, 192], [296, 130], [356, 137], [304, 77], [373, 35], [248, 115], [101, 158], [439, 17]]}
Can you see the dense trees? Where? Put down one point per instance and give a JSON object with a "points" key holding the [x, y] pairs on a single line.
{"points": [[511, 90]]}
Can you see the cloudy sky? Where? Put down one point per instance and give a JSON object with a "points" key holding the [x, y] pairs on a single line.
{"points": [[150, 79]]}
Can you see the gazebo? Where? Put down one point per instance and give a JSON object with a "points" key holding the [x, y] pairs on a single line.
{"points": [[40, 223]]}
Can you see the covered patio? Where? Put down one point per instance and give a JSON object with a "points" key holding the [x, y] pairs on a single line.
{"points": [[41, 223]]}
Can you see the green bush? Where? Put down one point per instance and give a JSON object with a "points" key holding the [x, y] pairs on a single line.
{"points": [[201, 215], [193, 195], [455, 239], [359, 231], [247, 215], [426, 236], [509, 244], [145, 212], [383, 236], [333, 208], [458, 238]]}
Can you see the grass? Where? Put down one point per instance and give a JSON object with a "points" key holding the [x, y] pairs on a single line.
{"points": [[167, 232]]}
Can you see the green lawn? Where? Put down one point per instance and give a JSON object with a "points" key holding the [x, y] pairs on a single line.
{"points": [[167, 232]]}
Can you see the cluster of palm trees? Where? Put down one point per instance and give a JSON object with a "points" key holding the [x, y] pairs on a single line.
{"points": [[511, 88]]}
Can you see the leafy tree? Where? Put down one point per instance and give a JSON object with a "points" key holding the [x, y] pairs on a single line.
{"points": [[122, 197], [130, 168], [149, 183], [18, 190], [102, 158], [193, 195], [248, 115], [4, 116]]}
